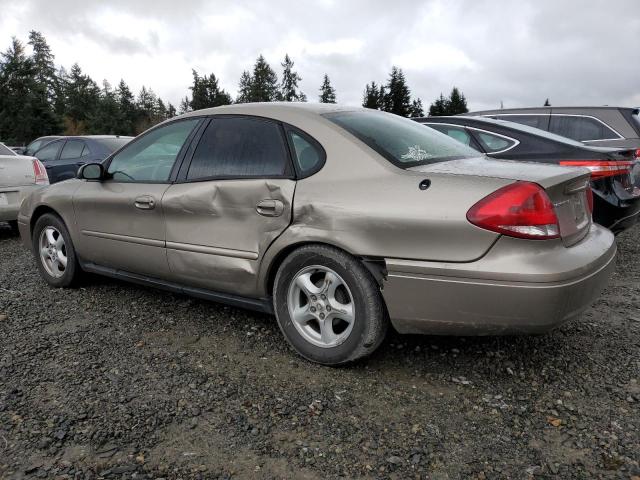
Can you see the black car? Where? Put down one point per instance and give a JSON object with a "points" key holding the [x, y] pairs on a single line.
{"points": [[36, 145], [63, 157], [614, 171]]}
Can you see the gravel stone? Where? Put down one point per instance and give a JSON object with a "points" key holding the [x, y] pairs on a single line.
{"points": [[113, 380]]}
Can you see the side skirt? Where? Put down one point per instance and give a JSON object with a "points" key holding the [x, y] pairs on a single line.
{"points": [[258, 304]]}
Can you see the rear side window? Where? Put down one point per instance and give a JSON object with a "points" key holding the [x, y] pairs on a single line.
{"points": [[49, 152], [240, 147], [308, 155], [580, 128], [4, 150], [494, 143], [457, 133], [73, 149], [403, 142], [536, 121]]}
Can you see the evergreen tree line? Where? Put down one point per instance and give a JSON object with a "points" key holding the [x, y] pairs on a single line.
{"points": [[38, 99]]}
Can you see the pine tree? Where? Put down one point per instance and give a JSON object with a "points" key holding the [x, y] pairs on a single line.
{"points": [[127, 112], [45, 85], [372, 96], [171, 111], [440, 107], [146, 107], [82, 98], [416, 109], [264, 83], [547, 103], [18, 120], [185, 106], [397, 98], [327, 92], [108, 112], [457, 103], [207, 93], [289, 91]]}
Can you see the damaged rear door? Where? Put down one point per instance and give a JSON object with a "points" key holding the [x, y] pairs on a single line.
{"points": [[233, 198]]}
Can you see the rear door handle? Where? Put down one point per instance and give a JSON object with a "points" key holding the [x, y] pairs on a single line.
{"points": [[145, 202], [270, 208]]}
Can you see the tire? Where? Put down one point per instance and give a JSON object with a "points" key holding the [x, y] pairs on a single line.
{"points": [[338, 288], [53, 270]]}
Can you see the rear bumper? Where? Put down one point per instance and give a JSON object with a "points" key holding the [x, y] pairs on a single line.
{"points": [[13, 197], [515, 288], [617, 217]]}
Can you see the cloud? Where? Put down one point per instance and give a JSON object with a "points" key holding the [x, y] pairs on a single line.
{"points": [[519, 53]]}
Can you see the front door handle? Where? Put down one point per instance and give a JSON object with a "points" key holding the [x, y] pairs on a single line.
{"points": [[145, 202], [270, 208]]}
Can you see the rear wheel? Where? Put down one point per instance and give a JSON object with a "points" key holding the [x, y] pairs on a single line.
{"points": [[54, 251], [328, 305]]}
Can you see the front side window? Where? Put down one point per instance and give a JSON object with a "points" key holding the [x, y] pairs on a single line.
{"points": [[401, 141], [494, 143], [49, 151], [239, 147], [73, 149], [580, 128], [151, 158]]}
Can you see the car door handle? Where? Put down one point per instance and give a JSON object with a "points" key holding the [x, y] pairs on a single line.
{"points": [[270, 208], [145, 202]]}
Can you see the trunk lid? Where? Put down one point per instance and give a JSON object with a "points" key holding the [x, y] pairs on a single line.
{"points": [[567, 187], [16, 170]]}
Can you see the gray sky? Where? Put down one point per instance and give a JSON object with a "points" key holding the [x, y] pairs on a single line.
{"points": [[520, 52]]}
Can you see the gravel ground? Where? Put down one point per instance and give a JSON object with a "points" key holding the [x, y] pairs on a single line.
{"points": [[118, 381]]}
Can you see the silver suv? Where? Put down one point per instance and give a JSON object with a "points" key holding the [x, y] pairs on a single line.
{"points": [[597, 126]]}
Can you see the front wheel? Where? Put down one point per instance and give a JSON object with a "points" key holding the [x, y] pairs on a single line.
{"points": [[328, 305], [54, 251]]}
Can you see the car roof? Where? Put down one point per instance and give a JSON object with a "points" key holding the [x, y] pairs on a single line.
{"points": [[263, 108], [548, 109]]}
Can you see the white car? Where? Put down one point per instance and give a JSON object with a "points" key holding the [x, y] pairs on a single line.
{"points": [[19, 176]]}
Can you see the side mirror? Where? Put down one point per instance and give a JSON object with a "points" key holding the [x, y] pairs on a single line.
{"points": [[91, 171]]}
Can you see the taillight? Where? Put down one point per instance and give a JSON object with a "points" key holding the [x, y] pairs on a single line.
{"points": [[589, 192], [40, 172], [602, 168], [521, 209], [636, 154]]}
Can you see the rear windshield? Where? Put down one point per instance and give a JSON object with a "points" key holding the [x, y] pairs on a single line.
{"points": [[635, 115], [4, 150], [403, 142], [113, 144]]}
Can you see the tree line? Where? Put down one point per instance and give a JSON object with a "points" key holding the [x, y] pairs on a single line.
{"points": [[37, 98]]}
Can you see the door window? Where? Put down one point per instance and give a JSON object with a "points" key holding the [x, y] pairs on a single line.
{"points": [[151, 158], [536, 121], [240, 148], [457, 133], [495, 143], [581, 128], [49, 152], [73, 149]]}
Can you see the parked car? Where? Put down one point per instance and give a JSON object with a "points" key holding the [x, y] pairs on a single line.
{"points": [[335, 219], [37, 144], [19, 176], [63, 157], [598, 126], [613, 173]]}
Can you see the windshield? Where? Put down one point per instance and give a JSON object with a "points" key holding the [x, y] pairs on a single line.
{"points": [[113, 144], [403, 142], [4, 150]]}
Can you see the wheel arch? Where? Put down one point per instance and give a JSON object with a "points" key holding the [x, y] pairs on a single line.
{"points": [[38, 212], [376, 266]]}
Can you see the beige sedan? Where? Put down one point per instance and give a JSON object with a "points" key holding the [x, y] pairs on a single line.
{"points": [[339, 220], [19, 176]]}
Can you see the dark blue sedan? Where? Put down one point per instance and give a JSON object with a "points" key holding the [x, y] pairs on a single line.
{"points": [[63, 157]]}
